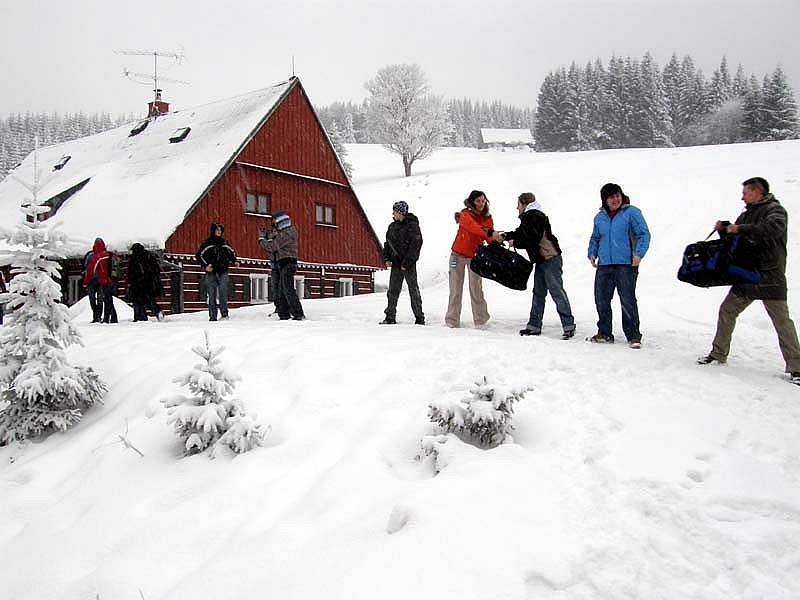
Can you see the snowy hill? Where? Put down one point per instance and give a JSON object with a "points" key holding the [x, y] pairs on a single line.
{"points": [[633, 474]]}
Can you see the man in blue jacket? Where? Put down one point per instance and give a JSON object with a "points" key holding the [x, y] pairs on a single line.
{"points": [[620, 239]]}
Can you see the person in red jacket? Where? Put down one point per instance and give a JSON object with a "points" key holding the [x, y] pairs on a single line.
{"points": [[99, 284], [475, 226]]}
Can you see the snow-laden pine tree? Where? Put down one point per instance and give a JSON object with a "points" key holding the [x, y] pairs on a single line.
{"points": [[335, 135], [485, 416], [210, 417], [40, 389], [404, 116], [780, 108]]}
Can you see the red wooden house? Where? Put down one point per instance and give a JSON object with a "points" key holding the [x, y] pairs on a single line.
{"points": [[163, 181]]}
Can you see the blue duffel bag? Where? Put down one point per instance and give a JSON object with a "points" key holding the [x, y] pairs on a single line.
{"points": [[729, 260]]}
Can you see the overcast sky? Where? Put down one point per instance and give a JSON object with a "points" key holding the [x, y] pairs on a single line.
{"points": [[59, 56]]}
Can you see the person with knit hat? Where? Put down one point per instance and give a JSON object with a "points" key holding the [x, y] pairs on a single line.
{"points": [[282, 245], [475, 226], [620, 239], [400, 254]]}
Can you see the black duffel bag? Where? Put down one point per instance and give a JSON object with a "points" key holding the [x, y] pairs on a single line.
{"points": [[729, 260], [500, 264]]}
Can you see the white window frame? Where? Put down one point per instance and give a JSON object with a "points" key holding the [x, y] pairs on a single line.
{"points": [[259, 282], [74, 284]]}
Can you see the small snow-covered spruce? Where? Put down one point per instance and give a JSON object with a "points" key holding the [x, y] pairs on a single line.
{"points": [[484, 417], [40, 389], [210, 417]]}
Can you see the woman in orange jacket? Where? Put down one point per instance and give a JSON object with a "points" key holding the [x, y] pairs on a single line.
{"points": [[475, 226]]}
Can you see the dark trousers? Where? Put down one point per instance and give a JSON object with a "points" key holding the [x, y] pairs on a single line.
{"points": [[287, 304], [217, 286], [101, 299], [621, 278], [396, 277], [140, 309], [548, 278]]}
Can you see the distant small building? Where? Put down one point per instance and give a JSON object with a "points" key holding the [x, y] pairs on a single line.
{"points": [[164, 180], [506, 138]]}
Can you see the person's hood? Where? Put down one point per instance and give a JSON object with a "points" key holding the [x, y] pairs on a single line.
{"points": [[99, 245], [532, 206]]}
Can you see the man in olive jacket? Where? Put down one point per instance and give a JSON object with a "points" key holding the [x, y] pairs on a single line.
{"points": [[764, 221], [400, 254]]}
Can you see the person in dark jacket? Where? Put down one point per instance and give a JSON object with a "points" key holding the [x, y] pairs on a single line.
{"points": [[400, 254], [216, 256], [283, 247], [535, 235], [99, 283], [3, 290], [144, 283], [763, 221], [620, 239]]}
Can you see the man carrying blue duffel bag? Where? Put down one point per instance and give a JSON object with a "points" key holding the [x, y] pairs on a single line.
{"points": [[763, 221]]}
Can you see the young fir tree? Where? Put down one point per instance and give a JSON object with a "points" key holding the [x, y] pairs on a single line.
{"points": [[210, 417], [338, 146], [779, 108], [41, 390], [753, 119], [485, 416]]}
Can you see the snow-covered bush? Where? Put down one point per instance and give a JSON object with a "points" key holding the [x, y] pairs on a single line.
{"points": [[39, 389], [210, 416], [484, 417]]}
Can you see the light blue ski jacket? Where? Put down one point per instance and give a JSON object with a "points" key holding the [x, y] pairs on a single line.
{"points": [[615, 241]]}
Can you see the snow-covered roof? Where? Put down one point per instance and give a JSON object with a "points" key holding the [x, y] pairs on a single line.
{"points": [[140, 187], [506, 136]]}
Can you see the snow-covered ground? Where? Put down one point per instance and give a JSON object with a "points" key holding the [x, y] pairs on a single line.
{"points": [[632, 474]]}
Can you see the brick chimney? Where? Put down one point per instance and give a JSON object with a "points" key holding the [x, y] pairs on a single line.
{"points": [[157, 107]]}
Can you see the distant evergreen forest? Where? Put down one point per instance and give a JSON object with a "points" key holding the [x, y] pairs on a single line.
{"points": [[634, 104], [18, 132]]}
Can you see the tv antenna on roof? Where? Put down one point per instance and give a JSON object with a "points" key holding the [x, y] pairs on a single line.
{"points": [[155, 78]]}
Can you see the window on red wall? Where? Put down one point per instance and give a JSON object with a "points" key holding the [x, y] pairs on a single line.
{"points": [[326, 214], [257, 203]]}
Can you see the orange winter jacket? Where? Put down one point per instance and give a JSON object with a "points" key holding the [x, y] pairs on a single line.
{"points": [[471, 232]]}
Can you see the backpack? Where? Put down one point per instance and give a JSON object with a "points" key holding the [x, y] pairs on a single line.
{"points": [[506, 267], [115, 266], [729, 260]]}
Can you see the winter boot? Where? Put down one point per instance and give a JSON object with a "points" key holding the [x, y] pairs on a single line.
{"points": [[601, 338], [568, 335], [708, 360], [419, 321], [388, 321], [794, 377], [635, 344], [527, 332]]}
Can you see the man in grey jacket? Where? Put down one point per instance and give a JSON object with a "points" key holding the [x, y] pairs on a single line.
{"points": [[763, 221], [282, 245]]}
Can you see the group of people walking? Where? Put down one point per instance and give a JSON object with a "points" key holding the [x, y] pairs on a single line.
{"points": [[619, 241], [101, 272]]}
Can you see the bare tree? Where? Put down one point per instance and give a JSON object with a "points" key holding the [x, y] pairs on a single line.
{"points": [[403, 115]]}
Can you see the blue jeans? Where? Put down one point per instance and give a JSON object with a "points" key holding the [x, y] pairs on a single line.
{"points": [[217, 283], [621, 278], [547, 278]]}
